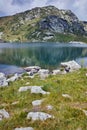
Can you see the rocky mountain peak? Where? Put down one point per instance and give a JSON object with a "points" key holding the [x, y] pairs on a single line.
{"points": [[41, 23]]}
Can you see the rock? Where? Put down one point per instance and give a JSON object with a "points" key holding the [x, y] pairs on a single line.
{"points": [[26, 128], [27, 83], [79, 128], [55, 72], [13, 78], [37, 102], [22, 89], [3, 81], [49, 107], [38, 89], [66, 96], [33, 69], [85, 112], [70, 66], [43, 73], [15, 103], [39, 116], [86, 74], [4, 114], [34, 89]]}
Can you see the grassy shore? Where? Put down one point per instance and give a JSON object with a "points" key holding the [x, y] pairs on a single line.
{"points": [[68, 112]]}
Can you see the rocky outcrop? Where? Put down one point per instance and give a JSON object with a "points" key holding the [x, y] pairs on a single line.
{"points": [[59, 25]]}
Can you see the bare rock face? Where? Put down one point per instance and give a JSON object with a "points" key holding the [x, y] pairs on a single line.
{"points": [[60, 25], [38, 116]]}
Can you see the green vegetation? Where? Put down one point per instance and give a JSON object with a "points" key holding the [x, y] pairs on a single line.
{"points": [[68, 112], [34, 25], [67, 38]]}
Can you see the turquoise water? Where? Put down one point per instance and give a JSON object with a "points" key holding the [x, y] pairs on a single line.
{"points": [[46, 55]]}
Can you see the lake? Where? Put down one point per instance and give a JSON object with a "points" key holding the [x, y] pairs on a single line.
{"points": [[47, 55]]}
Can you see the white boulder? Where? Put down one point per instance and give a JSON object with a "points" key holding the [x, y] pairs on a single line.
{"points": [[3, 81], [43, 73], [49, 107], [26, 128], [38, 89], [70, 66], [13, 78], [57, 71], [4, 114], [38, 116], [37, 102], [25, 88]]}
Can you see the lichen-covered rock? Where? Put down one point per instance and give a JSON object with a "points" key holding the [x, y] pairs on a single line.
{"points": [[39, 116]]}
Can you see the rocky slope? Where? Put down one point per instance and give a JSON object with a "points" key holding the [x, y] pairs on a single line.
{"points": [[43, 24]]}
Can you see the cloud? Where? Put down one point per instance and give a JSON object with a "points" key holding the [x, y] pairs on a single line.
{"points": [[11, 7]]}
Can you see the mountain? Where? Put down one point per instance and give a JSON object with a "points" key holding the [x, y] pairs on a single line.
{"points": [[43, 24]]}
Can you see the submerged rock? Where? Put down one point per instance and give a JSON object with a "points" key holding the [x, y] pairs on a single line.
{"points": [[26, 128], [3, 81], [39, 116]]}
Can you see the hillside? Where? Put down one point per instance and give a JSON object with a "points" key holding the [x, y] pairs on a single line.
{"points": [[67, 102], [43, 24]]}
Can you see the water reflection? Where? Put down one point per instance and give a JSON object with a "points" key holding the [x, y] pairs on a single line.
{"points": [[45, 55]]}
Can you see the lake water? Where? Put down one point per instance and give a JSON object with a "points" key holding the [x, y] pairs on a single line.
{"points": [[47, 55]]}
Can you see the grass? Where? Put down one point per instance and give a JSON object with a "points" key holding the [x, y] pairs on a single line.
{"points": [[67, 112]]}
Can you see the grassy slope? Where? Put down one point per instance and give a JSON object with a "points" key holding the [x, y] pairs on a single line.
{"points": [[67, 112]]}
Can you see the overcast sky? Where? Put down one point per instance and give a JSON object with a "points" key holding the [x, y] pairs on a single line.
{"points": [[9, 7]]}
